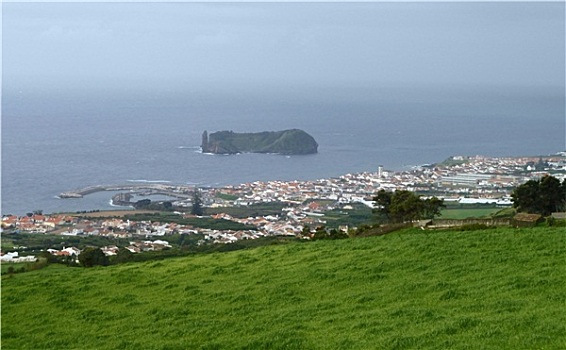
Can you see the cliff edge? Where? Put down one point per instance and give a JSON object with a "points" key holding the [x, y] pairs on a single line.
{"points": [[292, 141]]}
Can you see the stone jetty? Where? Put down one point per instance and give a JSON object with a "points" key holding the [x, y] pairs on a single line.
{"points": [[169, 190]]}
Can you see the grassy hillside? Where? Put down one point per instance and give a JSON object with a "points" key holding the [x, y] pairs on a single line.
{"points": [[468, 213], [492, 289]]}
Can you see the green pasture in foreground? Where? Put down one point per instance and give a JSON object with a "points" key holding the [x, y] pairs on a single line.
{"points": [[468, 213], [4, 266], [491, 289]]}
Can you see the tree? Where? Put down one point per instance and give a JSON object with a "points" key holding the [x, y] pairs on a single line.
{"points": [[383, 203], [526, 197], [405, 206], [543, 196], [90, 257], [142, 203], [323, 233], [197, 204], [432, 207], [306, 231], [50, 258], [553, 197], [319, 233], [124, 255], [402, 206]]}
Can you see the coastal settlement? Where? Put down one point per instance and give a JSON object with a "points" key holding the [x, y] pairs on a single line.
{"points": [[459, 179]]}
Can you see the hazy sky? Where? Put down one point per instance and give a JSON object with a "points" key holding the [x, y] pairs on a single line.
{"points": [[252, 45]]}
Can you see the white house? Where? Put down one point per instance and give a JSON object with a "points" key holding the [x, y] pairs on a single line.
{"points": [[14, 258]]}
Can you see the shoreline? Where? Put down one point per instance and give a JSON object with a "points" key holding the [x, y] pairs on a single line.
{"points": [[493, 170]]}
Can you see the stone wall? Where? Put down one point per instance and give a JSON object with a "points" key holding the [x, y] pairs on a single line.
{"points": [[446, 223]]}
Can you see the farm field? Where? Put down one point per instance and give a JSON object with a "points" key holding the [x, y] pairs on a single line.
{"points": [[464, 213], [495, 289], [4, 266]]}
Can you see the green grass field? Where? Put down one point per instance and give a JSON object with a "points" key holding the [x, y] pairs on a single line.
{"points": [[468, 213], [4, 266], [359, 215], [492, 289]]}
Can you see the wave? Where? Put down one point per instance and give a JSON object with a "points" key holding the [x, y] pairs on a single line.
{"points": [[111, 202], [188, 147], [150, 181], [220, 154]]}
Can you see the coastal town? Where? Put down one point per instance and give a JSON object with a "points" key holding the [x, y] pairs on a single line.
{"points": [[303, 204]]}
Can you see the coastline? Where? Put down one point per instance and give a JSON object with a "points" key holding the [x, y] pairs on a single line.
{"points": [[96, 197], [460, 175]]}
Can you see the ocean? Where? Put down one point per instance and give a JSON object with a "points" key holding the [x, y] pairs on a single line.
{"points": [[55, 141]]}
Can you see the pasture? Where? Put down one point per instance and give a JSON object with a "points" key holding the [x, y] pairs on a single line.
{"points": [[495, 289]]}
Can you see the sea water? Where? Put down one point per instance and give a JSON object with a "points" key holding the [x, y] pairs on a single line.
{"points": [[59, 141]]}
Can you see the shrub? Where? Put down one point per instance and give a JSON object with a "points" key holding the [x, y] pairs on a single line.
{"points": [[92, 256]]}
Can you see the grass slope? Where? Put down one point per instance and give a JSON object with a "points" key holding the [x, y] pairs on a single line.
{"points": [[492, 289], [468, 213]]}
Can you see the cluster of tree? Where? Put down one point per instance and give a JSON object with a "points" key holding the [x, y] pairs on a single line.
{"points": [[54, 259], [204, 222], [258, 209], [322, 232], [87, 211], [34, 242], [35, 212], [149, 205], [27, 267], [543, 196], [405, 206], [91, 256]]}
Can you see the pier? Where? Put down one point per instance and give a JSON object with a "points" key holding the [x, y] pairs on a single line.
{"points": [[168, 190]]}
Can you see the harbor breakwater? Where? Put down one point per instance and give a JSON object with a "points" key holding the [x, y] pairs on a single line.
{"points": [[168, 190]]}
